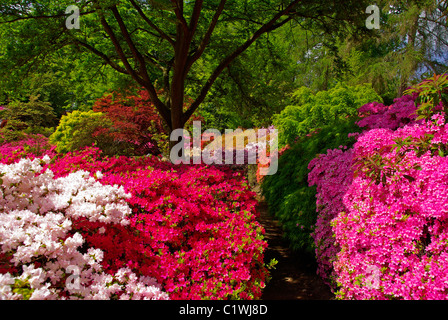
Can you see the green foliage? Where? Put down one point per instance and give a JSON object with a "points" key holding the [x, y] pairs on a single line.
{"points": [[433, 94], [287, 193], [34, 116], [76, 130], [313, 111]]}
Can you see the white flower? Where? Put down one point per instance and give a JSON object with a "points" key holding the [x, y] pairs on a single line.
{"points": [[99, 175], [36, 213]]}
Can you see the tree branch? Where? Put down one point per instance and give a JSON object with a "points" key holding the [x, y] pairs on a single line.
{"points": [[269, 26], [137, 55], [178, 10], [151, 24], [102, 55], [209, 33], [45, 17], [195, 16]]}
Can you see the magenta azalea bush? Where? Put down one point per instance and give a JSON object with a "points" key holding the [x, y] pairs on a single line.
{"points": [[189, 232], [382, 206], [30, 146]]}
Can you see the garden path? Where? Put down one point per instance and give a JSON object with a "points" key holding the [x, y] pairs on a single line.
{"points": [[294, 276]]}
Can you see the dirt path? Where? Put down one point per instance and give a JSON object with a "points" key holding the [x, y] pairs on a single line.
{"points": [[294, 277]]}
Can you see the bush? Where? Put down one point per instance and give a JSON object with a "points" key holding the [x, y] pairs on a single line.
{"points": [[31, 146], [135, 123], [288, 194], [383, 234], [314, 111], [331, 172], [41, 243], [192, 228], [392, 233], [33, 116], [77, 130]]}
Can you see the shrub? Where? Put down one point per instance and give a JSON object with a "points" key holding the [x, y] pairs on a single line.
{"points": [[288, 194], [389, 219], [392, 232], [41, 244], [31, 146], [135, 123], [33, 116], [314, 111], [77, 130], [193, 228]]}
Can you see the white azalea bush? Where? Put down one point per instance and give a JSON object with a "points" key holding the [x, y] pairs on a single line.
{"points": [[41, 256]]}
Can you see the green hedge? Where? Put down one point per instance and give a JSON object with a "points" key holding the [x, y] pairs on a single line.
{"points": [[287, 193]]}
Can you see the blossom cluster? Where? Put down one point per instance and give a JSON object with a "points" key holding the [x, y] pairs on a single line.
{"points": [[32, 146], [332, 174], [193, 227], [43, 253], [377, 115], [383, 207]]}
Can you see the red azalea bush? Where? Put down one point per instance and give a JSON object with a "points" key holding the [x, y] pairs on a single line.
{"points": [[383, 207], [192, 228]]}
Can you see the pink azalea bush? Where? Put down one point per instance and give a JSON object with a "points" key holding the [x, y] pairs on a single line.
{"points": [[393, 233], [332, 174], [31, 146], [377, 115], [383, 208]]}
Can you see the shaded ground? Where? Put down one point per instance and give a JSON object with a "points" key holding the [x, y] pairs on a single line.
{"points": [[294, 277]]}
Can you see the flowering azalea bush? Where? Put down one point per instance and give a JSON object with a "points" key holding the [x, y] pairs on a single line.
{"points": [[331, 172], [383, 206], [41, 243], [192, 228], [190, 231], [31, 146], [377, 115]]}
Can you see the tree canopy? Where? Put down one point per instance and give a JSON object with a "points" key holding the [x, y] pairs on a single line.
{"points": [[176, 46]]}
